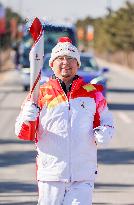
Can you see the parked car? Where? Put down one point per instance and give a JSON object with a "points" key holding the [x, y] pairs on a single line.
{"points": [[89, 70], [92, 72]]}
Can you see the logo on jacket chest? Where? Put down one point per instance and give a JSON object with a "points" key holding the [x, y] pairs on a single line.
{"points": [[83, 105], [87, 105]]}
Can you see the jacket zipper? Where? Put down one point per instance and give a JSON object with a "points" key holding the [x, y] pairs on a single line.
{"points": [[70, 140], [69, 134], [69, 180], [69, 127]]}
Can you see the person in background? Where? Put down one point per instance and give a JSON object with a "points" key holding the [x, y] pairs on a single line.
{"points": [[72, 119], [16, 59]]}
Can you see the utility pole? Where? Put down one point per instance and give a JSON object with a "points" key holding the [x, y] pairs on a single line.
{"points": [[109, 6]]}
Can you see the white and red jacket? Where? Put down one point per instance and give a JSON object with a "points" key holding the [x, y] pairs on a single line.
{"points": [[65, 140]]}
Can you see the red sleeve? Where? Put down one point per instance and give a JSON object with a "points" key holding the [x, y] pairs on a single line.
{"points": [[28, 132]]}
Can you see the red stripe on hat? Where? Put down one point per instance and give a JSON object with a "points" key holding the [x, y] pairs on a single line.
{"points": [[64, 39]]}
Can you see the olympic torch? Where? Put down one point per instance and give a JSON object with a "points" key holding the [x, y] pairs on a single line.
{"points": [[36, 63]]}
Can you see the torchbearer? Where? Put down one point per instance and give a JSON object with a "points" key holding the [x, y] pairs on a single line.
{"points": [[73, 119]]}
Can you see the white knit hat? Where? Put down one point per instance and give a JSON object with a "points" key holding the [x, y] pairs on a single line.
{"points": [[64, 47]]}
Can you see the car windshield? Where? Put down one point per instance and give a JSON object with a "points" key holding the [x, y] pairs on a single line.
{"points": [[51, 39], [51, 36], [88, 64]]}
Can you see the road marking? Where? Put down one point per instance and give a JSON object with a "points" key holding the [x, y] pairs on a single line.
{"points": [[124, 117]]}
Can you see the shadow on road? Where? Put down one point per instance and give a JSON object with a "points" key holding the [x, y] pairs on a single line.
{"points": [[115, 156], [15, 141], [110, 185], [16, 158], [16, 187], [22, 203], [120, 90], [120, 106]]}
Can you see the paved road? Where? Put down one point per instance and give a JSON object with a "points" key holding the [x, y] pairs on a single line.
{"points": [[115, 181]]}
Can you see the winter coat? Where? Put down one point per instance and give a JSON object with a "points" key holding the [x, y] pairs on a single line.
{"points": [[65, 136]]}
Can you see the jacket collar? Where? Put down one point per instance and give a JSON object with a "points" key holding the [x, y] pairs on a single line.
{"points": [[59, 84]]}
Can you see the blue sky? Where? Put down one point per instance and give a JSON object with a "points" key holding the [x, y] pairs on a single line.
{"points": [[61, 9]]}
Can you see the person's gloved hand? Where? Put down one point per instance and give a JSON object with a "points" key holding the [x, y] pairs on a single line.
{"points": [[30, 112], [103, 134]]}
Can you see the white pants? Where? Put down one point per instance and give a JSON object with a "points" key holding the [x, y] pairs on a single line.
{"points": [[60, 193]]}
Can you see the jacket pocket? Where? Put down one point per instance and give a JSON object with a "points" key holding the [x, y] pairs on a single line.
{"points": [[46, 161]]}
